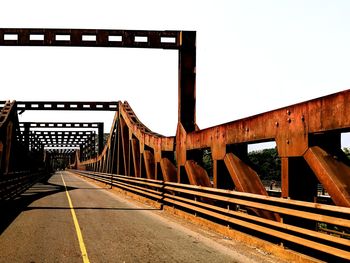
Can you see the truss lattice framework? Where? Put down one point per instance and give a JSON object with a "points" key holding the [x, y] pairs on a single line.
{"points": [[307, 135], [183, 41], [27, 127]]}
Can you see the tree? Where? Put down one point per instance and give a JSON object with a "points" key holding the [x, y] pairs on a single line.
{"points": [[347, 152], [266, 163]]}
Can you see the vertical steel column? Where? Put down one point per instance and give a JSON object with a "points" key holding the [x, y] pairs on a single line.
{"points": [[187, 80], [81, 152], [8, 150], [100, 137], [186, 98], [298, 183], [26, 135], [93, 145], [298, 180]]}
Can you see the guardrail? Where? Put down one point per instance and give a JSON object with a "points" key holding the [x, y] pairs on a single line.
{"points": [[311, 228], [146, 187], [320, 198], [13, 184]]}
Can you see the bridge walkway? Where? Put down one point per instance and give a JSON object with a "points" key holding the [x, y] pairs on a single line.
{"points": [[98, 225]]}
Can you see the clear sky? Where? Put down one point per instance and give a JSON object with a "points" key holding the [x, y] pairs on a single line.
{"points": [[252, 56]]}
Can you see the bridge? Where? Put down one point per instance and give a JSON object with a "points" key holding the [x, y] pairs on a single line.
{"points": [[168, 173]]}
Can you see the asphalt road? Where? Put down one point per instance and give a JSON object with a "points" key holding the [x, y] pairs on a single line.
{"points": [[44, 226]]}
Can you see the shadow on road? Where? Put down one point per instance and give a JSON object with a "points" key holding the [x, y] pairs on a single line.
{"points": [[10, 209]]}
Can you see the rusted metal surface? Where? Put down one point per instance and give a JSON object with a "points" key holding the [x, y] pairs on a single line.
{"points": [[291, 127], [149, 164], [168, 170], [332, 173], [196, 174], [136, 157], [244, 177], [247, 180], [288, 127], [285, 126], [307, 136]]}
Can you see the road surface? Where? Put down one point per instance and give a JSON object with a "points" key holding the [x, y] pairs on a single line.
{"points": [[67, 219]]}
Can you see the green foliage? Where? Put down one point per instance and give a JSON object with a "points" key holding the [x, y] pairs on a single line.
{"points": [[347, 152], [207, 160], [105, 138], [266, 163]]}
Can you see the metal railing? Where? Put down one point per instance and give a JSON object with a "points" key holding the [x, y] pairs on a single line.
{"points": [[13, 184], [321, 228]]}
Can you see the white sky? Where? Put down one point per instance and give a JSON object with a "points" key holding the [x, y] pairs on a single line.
{"points": [[252, 56]]}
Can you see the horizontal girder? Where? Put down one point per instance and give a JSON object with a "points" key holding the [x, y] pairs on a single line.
{"points": [[65, 105], [63, 138], [60, 151], [61, 124], [63, 145], [62, 133], [90, 38]]}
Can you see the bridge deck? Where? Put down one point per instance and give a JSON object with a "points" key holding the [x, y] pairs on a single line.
{"points": [[113, 229]]}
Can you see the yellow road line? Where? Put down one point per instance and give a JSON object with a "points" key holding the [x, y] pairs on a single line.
{"points": [[77, 227]]}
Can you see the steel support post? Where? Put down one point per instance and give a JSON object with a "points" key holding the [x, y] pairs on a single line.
{"points": [[298, 183], [26, 135], [81, 152], [186, 97], [187, 80], [100, 137], [298, 180]]}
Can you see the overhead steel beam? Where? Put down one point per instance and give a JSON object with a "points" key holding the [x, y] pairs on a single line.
{"points": [[289, 126], [61, 133], [70, 151], [183, 41], [90, 38], [66, 105], [94, 125], [46, 138], [45, 141], [63, 145]]}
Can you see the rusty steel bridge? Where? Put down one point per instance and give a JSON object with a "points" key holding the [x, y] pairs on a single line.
{"points": [[168, 172]]}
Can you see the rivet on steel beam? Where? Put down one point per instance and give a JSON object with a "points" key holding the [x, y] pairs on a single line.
{"points": [[287, 141], [276, 124], [302, 118], [247, 129], [288, 112], [289, 120]]}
